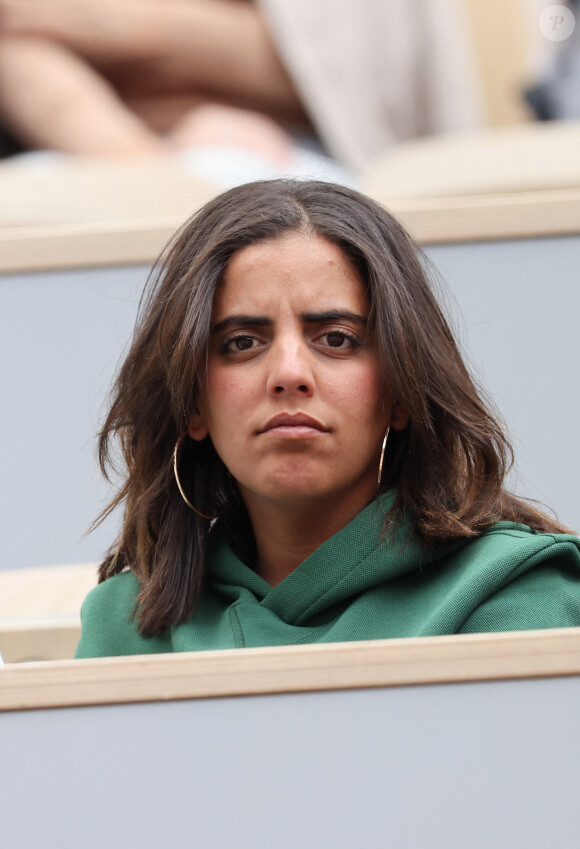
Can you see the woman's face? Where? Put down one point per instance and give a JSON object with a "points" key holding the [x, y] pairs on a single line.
{"points": [[293, 401]]}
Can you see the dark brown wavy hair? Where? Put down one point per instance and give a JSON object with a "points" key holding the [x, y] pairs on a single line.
{"points": [[448, 466]]}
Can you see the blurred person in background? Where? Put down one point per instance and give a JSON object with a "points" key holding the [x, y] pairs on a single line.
{"points": [[556, 96], [141, 78], [148, 77]]}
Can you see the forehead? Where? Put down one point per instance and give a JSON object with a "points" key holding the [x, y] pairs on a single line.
{"points": [[305, 272]]}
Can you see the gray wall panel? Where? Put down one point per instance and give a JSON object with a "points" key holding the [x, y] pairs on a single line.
{"points": [[519, 303], [446, 766], [61, 334]]}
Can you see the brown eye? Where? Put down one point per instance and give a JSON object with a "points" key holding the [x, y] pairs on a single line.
{"points": [[335, 340], [243, 343], [237, 344]]}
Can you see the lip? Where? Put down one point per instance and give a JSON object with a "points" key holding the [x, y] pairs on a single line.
{"points": [[294, 424]]}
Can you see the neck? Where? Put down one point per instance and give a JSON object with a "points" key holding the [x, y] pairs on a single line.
{"points": [[286, 534]]}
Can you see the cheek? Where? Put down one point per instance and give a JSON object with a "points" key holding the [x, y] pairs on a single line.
{"points": [[360, 390], [226, 397]]}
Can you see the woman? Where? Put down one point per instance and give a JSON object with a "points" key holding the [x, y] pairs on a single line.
{"points": [[307, 458]]}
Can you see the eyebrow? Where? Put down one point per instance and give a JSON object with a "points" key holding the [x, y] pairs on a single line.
{"points": [[305, 318]]}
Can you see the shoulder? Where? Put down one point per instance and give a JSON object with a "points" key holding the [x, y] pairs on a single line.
{"points": [[116, 595], [520, 548], [108, 624], [528, 579], [507, 553]]}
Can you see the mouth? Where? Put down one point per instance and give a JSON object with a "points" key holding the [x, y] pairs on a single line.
{"points": [[294, 426]]}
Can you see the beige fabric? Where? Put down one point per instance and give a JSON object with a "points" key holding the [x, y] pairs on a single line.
{"points": [[39, 639], [526, 157], [51, 591], [504, 36], [374, 72], [85, 190]]}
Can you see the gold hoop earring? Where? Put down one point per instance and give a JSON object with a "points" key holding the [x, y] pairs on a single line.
{"points": [[178, 482], [383, 448]]}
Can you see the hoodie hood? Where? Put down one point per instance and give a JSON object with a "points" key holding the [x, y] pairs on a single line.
{"points": [[357, 558]]}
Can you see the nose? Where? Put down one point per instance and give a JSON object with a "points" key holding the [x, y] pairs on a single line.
{"points": [[290, 368]]}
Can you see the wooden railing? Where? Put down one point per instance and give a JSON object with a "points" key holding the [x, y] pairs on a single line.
{"points": [[381, 663]]}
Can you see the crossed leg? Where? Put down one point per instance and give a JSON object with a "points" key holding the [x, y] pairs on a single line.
{"points": [[70, 70]]}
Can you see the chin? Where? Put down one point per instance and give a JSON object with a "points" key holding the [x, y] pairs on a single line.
{"points": [[291, 485], [293, 482], [293, 491]]}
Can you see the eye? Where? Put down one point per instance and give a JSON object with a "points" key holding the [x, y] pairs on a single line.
{"points": [[237, 344], [337, 339]]}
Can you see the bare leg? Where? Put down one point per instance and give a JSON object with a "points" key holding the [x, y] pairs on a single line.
{"points": [[215, 47], [51, 98], [104, 29]]}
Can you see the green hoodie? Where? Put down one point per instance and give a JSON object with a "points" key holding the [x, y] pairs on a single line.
{"points": [[357, 586]]}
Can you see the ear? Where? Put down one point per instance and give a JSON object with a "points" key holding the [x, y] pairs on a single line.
{"points": [[197, 426], [399, 417]]}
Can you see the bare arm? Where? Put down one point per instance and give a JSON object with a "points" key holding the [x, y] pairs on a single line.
{"points": [[50, 98]]}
